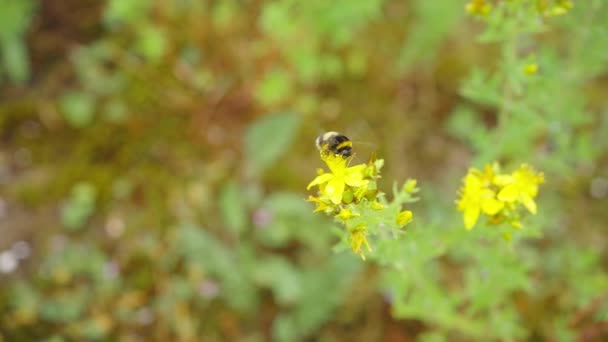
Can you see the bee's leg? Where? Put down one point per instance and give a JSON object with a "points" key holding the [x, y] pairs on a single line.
{"points": [[352, 156]]}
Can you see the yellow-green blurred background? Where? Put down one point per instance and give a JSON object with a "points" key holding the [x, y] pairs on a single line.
{"points": [[154, 157]]}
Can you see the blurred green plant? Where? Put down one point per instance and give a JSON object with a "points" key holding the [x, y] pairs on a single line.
{"points": [[79, 206], [193, 122], [172, 277], [78, 108], [538, 113], [268, 138], [15, 19], [309, 36]]}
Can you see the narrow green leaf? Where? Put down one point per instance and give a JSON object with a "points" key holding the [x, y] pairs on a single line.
{"points": [[232, 208]]}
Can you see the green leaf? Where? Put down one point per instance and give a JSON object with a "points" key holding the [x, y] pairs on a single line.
{"points": [[284, 328], [223, 14], [462, 121], [434, 22], [275, 86], [64, 307], [79, 207], [280, 276], [277, 14], [125, 11], [54, 338], [115, 111], [269, 137], [323, 289], [15, 59], [232, 208], [78, 108], [152, 43], [15, 18]]}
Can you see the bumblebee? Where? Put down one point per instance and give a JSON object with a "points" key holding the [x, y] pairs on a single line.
{"points": [[336, 143]]}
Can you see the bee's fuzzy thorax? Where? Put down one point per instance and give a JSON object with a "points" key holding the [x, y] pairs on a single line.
{"points": [[334, 142]]}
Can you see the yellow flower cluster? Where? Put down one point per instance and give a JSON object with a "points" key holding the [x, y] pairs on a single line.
{"points": [[558, 7], [499, 196], [478, 7], [342, 186], [548, 8], [345, 187]]}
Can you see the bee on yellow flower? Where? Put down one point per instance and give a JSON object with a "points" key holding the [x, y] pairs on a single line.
{"points": [[350, 193], [342, 183], [498, 195], [332, 184]]}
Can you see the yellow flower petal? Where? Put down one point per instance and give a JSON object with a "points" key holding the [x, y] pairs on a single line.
{"points": [[491, 206], [320, 180], [471, 214], [355, 181], [335, 189], [321, 205], [347, 214], [354, 175], [509, 193], [471, 180], [529, 203], [502, 180], [358, 238], [336, 164]]}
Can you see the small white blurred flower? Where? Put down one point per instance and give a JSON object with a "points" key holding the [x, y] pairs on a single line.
{"points": [[8, 262]]}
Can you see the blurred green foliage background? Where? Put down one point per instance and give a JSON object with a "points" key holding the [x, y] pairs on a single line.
{"points": [[154, 156]]}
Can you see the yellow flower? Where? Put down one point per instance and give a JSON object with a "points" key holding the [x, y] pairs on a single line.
{"points": [[410, 186], [377, 205], [361, 191], [542, 5], [567, 4], [357, 239], [347, 214], [332, 184], [321, 205], [477, 197], [349, 193], [560, 8], [530, 69], [478, 7], [522, 187], [557, 11], [498, 195], [404, 218]]}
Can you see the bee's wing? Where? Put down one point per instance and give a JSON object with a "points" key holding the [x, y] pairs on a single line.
{"points": [[363, 151]]}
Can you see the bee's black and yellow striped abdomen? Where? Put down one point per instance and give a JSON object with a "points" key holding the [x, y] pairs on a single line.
{"points": [[335, 143]]}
